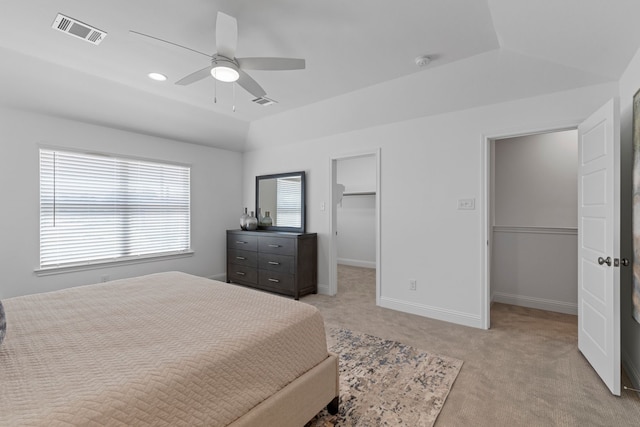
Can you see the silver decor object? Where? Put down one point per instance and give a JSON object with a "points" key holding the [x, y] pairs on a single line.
{"points": [[251, 223], [243, 219]]}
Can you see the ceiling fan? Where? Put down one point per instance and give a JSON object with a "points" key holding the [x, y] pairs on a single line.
{"points": [[225, 67]]}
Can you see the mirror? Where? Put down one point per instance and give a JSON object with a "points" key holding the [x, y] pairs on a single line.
{"points": [[280, 202]]}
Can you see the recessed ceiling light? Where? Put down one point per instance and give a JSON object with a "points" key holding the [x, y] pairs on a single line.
{"points": [[157, 77]]}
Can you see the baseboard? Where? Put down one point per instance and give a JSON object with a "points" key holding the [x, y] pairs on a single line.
{"points": [[632, 371], [539, 303], [323, 289], [437, 313], [357, 263]]}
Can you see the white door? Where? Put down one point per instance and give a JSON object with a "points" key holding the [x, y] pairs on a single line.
{"points": [[599, 243]]}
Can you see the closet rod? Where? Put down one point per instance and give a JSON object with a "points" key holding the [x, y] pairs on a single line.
{"points": [[361, 193]]}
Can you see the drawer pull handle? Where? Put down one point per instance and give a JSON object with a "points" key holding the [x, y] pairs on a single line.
{"points": [[274, 263], [274, 280], [240, 273], [240, 258], [240, 242], [274, 246]]}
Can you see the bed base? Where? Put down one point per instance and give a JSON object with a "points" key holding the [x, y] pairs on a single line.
{"points": [[334, 406], [298, 402]]}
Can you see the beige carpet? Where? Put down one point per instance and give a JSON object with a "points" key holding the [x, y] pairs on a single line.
{"points": [[386, 383], [525, 371]]}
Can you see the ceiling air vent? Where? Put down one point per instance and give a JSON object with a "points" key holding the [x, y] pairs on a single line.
{"points": [[78, 29], [263, 100]]}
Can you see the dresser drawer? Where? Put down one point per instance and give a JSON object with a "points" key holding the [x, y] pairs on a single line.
{"points": [[275, 262], [246, 258], [242, 241], [276, 245], [276, 280], [284, 263], [239, 273]]}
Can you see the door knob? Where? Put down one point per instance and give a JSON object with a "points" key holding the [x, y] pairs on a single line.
{"points": [[602, 261], [625, 262]]}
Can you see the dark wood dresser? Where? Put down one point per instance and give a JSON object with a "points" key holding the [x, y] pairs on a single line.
{"points": [[285, 263]]}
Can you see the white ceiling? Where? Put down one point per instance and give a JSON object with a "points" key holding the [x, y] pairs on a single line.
{"points": [[352, 48]]}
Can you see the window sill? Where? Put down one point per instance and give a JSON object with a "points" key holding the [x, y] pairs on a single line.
{"points": [[94, 265]]}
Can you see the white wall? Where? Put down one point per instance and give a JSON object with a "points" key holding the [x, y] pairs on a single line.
{"points": [[537, 180], [630, 337], [357, 174], [427, 164], [356, 215], [534, 252], [216, 182]]}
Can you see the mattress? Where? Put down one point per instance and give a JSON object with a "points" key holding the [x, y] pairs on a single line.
{"points": [[163, 349]]}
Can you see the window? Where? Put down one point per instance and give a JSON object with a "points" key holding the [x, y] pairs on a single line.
{"points": [[96, 209], [288, 209]]}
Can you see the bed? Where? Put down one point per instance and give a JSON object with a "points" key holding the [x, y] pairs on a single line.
{"points": [[164, 349]]}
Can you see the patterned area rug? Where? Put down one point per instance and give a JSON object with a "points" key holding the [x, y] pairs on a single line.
{"points": [[385, 383]]}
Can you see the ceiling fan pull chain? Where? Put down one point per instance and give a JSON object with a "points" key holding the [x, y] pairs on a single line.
{"points": [[234, 97], [215, 91]]}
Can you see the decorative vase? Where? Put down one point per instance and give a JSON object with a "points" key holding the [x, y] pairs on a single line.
{"points": [[252, 223], [243, 219], [267, 221]]}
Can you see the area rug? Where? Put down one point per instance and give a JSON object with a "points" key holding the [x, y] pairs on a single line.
{"points": [[385, 383]]}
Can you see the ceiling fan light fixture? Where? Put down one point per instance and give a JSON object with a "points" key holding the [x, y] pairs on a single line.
{"points": [[225, 71]]}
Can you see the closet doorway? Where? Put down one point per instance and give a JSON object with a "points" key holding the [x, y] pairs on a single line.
{"points": [[355, 221], [533, 214]]}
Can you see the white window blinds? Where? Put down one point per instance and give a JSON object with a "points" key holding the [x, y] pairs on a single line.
{"points": [[289, 210], [96, 209]]}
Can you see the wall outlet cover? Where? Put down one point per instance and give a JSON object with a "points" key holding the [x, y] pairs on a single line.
{"points": [[466, 204]]}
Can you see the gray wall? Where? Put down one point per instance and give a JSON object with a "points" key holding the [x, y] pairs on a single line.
{"points": [[427, 164], [216, 183], [534, 252]]}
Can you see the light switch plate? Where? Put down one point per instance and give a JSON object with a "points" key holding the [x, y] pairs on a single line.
{"points": [[466, 204]]}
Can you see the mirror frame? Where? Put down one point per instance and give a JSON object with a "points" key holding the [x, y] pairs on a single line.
{"points": [[300, 229]]}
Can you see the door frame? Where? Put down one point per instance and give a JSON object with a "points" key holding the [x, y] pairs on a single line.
{"points": [[333, 223], [488, 140]]}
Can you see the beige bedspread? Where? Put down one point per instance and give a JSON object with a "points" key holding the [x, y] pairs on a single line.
{"points": [[164, 349]]}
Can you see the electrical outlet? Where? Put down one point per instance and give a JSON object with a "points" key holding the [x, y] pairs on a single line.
{"points": [[413, 283]]}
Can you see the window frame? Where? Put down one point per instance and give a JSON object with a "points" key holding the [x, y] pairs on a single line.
{"points": [[122, 260]]}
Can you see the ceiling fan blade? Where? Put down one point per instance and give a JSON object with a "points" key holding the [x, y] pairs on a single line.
{"points": [[250, 85], [164, 43], [226, 35], [194, 77], [271, 63]]}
